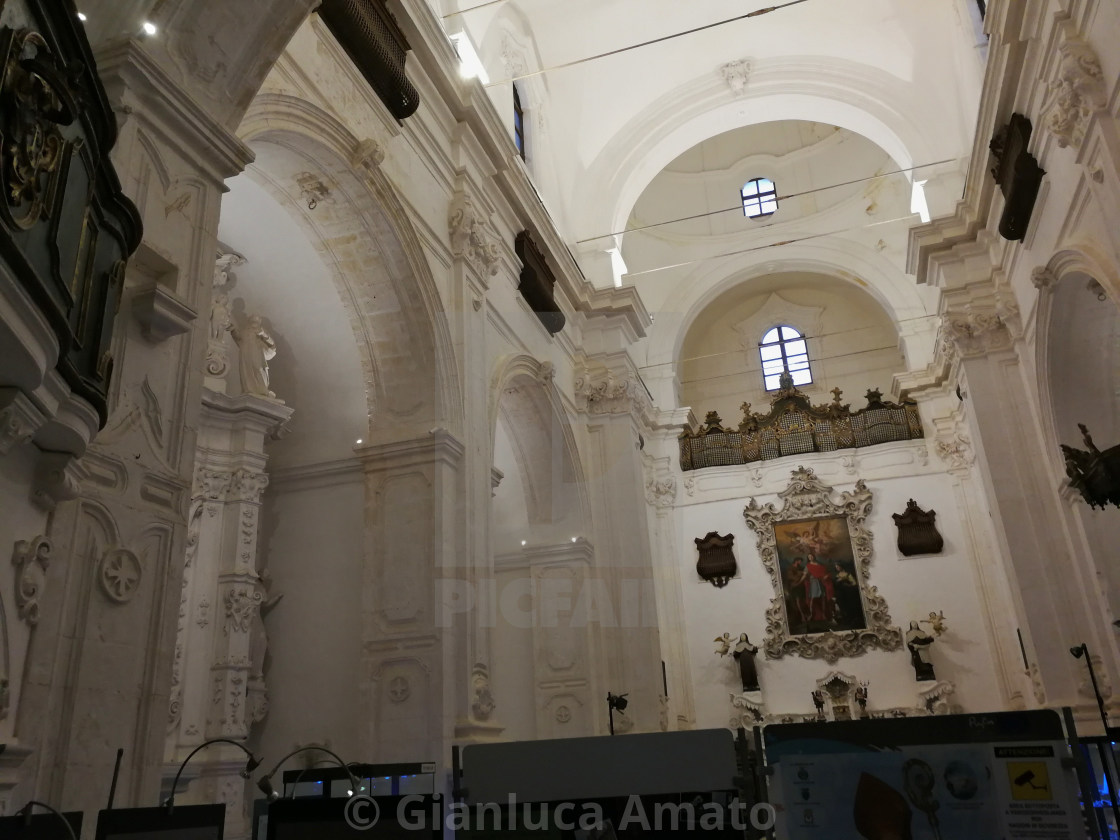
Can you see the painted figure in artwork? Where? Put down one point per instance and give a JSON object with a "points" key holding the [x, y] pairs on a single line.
{"points": [[820, 590]]}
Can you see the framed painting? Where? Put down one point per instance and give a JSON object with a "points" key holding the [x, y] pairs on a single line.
{"points": [[818, 553]]}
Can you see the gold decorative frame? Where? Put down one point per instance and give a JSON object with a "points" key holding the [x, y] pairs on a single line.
{"points": [[806, 498]]}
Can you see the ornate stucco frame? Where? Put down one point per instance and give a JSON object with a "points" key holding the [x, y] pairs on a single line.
{"points": [[805, 498]]}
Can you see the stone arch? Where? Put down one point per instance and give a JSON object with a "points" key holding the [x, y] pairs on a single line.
{"points": [[1065, 299], [524, 398], [396, 312], [863, 99], [849, 262]]}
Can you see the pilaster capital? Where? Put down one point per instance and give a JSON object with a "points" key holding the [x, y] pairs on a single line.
{"points": [[603, 390], [472, 236]]}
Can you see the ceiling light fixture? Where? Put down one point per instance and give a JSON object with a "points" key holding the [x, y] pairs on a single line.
{"points": [[149, 28], [81, 17]]}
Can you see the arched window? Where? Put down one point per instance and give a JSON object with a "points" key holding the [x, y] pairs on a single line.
{"points": [[760, 198], [518, 122], [783, 348]]}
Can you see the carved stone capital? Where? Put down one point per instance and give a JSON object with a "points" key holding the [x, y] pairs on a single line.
{"points": [[976, 332], [368, 154], [18, 419], [211, 484], [1043, 278], [1076, 92], [602, 391], [472, 238], [661, 491], [247, 485], [31, 559]]}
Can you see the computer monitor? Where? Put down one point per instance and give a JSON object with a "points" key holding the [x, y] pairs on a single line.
{"points": [[183, 822], [325, 818], [42, 826]]}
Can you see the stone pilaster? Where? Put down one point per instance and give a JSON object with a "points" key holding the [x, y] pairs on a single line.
{"points": [[217, 684], [414, 671]]}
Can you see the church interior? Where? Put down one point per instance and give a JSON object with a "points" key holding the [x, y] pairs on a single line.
{"points": [[391, 377]]}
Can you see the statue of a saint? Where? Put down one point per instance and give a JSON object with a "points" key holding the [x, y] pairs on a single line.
{"points": [[918, 642], [744, 653], [256, 347]]}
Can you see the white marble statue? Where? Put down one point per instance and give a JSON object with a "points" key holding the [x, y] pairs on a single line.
{"points": [[257, 348]]}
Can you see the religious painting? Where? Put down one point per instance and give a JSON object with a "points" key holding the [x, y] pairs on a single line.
{"points": [[817, 549], [818, 575]]}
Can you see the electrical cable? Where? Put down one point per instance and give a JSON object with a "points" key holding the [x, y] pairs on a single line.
{"points": [[651, 42], [739, 252], [779, 198]]}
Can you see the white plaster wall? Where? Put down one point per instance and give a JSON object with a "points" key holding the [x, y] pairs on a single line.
{"points": [[311, 543], [317, 370], [912, 587], [851, 341]]}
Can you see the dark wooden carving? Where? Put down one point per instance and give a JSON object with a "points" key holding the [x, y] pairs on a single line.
{"points": [[376, 45], [538, 283], [717, 559], [917, 533], [66, 228], [793, 426], [1018, 175], [1093, 473]]}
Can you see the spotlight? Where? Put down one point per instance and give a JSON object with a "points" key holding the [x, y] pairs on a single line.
{"points": [[81, 17], [149, 28], [265, 785], [1078, 651]]}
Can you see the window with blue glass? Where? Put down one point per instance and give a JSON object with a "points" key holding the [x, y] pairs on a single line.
{"points": [[518, 123], [760, 198], [784, 348]]}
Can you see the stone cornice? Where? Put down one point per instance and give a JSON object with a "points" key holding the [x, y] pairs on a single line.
{"points": [[129, 74], [437, 445], [470, 104]]}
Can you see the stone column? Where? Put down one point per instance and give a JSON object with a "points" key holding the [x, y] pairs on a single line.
{"points": [[99, 666], [411, 655], [1056, 607], [662, 492], [217, 679], [614, 401], [478, 256]]}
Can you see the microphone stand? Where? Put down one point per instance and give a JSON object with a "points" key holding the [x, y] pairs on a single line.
{"points": [[25, 812], [252, 764], [1078, 652], [265, 781]]}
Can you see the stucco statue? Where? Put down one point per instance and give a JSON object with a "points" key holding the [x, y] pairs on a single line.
{"points": [[919, 642], [744, 653], [257, 348], [220, 322]]}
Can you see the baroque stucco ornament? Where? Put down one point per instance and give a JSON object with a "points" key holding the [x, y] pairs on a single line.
{"points": [[119, 574], [471, 238], [31, 559], [807, 498], [1078, 91]]}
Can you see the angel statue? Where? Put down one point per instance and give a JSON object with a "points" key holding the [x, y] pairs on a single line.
{"points": [[936, 622], [723, 644]]}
